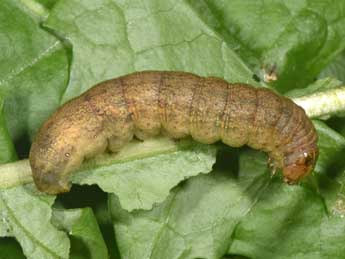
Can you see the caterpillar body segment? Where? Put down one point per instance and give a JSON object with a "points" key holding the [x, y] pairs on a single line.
{"points": [[179, 104]]}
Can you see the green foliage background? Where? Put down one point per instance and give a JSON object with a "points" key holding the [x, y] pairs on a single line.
{"points": [[53, 50]]}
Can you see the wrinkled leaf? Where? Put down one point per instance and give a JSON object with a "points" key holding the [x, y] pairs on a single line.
{"points": [[198, 217], [143, 174], [116, 37]]}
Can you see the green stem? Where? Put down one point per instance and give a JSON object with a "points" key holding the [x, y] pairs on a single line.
{"points": [[16, 173], [323, 104], [317, 105]]}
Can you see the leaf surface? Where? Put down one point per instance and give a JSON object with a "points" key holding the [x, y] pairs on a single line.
{"points": [[33, 70], [143, 174]]}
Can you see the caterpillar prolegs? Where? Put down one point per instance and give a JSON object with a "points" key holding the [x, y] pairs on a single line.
{"points": [[145, 104]]}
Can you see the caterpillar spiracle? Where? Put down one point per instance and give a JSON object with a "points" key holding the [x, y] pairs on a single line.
{"points": [[148, 103]]}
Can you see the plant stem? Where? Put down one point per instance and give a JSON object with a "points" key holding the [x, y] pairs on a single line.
{"points": [[316, 105], [16, 173], [323, 104]]}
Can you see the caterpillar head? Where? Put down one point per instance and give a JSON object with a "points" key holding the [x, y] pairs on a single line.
{"points": [[51, 160], [300, 164], [48, 168]]}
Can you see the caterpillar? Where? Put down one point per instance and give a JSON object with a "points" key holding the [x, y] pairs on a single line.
{"points": [[148, 103]]}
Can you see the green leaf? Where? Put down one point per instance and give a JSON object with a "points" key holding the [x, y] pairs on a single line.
{"points": [[26, 214], [115, 37], [331, 145], [94, 198], [306, 218], [198, 217], [292, 40], [143, 174], [210, 213], [332, 236], [336, 68], [7, 152], [83, 228], [285, 223], [33, 70], [330, 170]]}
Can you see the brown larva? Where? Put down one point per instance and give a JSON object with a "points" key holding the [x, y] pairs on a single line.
{"points": [[179, 104]]}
